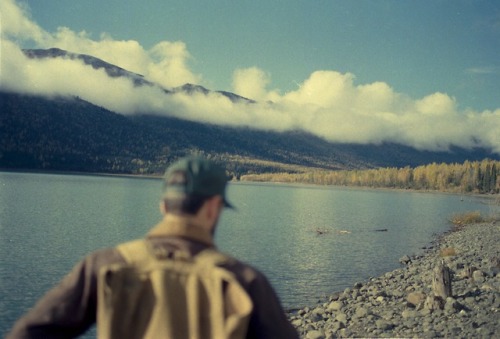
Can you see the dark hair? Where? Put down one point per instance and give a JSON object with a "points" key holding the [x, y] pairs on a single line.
{"points": [[177, 178], [189, 204]]}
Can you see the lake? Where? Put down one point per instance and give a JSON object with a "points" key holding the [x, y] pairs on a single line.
{"points": [[50, 221]]}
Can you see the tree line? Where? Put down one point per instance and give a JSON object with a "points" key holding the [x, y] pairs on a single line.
{"points": [[468, 177]]}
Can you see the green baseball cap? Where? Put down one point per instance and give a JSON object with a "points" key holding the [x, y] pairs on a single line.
{"points": [[195, 175]]}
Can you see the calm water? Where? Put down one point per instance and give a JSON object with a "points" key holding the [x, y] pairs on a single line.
{"points": [[48, 222]]}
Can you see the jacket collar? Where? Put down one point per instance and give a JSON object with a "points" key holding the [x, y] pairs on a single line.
{"points": [[174, 226]]}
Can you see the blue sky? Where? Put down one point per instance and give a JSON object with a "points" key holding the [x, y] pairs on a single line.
{"points": [[417, 47], [423, 73]]}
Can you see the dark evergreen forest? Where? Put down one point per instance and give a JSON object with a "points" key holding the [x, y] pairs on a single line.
{"points": [[70, 134]]}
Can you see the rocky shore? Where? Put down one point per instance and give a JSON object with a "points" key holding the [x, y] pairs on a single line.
{"points": [[403, 303]]}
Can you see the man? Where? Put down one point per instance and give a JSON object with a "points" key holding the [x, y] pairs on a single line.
{"points": [[194, 197]]}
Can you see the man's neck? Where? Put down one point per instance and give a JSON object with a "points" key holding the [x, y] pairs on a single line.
{"points": [[183, 226]]}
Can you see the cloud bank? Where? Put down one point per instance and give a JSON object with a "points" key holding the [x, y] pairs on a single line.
{"points": [[328, 103]]}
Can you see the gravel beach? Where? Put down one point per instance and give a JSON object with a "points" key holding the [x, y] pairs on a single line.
{"points": [[403, 303]]}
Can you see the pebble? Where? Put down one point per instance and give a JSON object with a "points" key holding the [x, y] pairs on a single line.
{"points": [[401, 303]]}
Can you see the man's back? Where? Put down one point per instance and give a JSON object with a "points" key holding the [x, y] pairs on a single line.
{"points": [[162, 294]]}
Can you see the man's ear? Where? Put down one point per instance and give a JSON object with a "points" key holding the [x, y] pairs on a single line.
{"points": [[213, 207], [163, 207]]}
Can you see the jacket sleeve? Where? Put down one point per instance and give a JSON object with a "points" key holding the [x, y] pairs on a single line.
{"points": [[69, 308], [268, 318]]}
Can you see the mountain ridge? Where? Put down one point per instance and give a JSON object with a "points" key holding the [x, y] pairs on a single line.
{"points": [[116, 71], [71, 134]]}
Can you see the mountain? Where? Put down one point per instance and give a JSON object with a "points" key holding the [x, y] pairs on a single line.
{"points": [[70, 134], [115, 71], [112, 70]]}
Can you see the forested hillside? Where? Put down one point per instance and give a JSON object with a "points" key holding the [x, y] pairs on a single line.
{"points": [[70, 134], [478, 177]]}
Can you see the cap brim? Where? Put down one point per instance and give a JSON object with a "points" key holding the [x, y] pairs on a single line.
{"points": [[174, 194], [228, 205]]}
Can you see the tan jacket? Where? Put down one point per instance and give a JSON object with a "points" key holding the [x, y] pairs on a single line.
{"points": [[69, 309]]}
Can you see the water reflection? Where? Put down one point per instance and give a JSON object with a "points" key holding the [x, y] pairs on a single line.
{"points": [[276, 230]]}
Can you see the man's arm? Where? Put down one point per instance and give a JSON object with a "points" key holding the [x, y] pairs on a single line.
{"points": [[268, 318], [69, 308]]}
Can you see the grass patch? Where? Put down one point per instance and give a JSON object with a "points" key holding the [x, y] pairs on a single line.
{"points": [[467, 218], [447, 252]]}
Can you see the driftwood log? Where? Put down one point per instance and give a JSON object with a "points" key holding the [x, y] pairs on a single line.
{"points": [[441, 281]]}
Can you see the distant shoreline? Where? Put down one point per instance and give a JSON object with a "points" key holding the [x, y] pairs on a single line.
{"points": [[243, 182], [367, 188], [103, 174]]}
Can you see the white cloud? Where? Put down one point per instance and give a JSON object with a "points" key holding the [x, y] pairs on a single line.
{"points": [[436, 104], [252, 83], [165, 63], [328, 103], [324, 89], [168, 65], [483, 70], [16, 22]]}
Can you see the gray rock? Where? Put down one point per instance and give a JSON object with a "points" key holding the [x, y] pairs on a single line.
{"points": [[433, 303], [315, 317], [478, 276], [318, 310], [415, 298], [337, 326], [335, 306], [315, 334], [430, 334], [452, 305], [383, 325], [493, 272], [398, 293], [405, 260], [387, 314], [341, 318], [409, 313], [361, 312]]}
